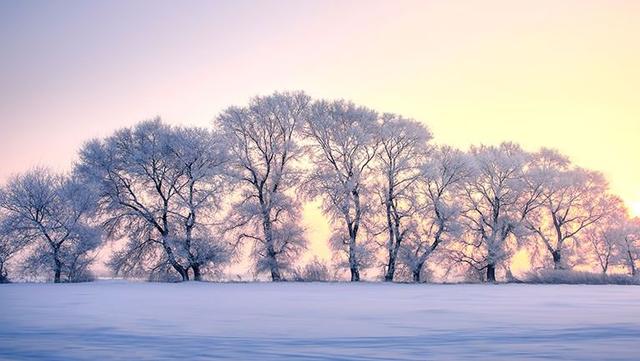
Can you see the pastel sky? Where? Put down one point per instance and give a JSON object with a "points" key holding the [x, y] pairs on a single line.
{"points": [[562, 74]]}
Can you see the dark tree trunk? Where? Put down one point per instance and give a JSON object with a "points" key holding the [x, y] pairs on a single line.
{"points": [[353, 227], [267, 229], [355, 274], [417, 271], [275, 271], [353, 260], [3, 274], [57, 267], [393, 260], [275, 276], [388, 277], [391, 264], [183, 272], [491, 273], [632, 264], [557, 260], [197, 276]]}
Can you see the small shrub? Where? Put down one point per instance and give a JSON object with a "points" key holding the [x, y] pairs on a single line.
{"points": [[577, 277], [314, 271]]}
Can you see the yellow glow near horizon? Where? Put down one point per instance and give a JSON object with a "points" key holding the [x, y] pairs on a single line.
{"points": [[635, 209]]}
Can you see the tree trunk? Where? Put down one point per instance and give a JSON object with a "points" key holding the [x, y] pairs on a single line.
{"points": [[353, 265], [354, 226], [182, 271], [268, 238], [3, 274], [491, 272], [196, 272], [353, 259], [355, 274], [391, 269], [184, 274], [57, 267], [391, 265], [417, 272], [632, 264], [189, 224], [271, 252], [557, 260], [273, 263], [393, 260]]}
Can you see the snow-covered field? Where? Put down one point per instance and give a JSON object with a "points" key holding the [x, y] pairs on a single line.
{"points": [[115, 320]]}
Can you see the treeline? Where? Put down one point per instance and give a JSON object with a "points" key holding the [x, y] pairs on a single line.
{"points": [[188, 203]]}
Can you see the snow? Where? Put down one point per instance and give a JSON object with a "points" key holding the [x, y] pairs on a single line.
{"points": [[110, 320]]}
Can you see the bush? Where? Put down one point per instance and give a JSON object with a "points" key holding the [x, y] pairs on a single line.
{"points": [[314, 271], [576, 277]]}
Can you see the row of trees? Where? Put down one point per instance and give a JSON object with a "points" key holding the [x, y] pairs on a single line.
{"points": [[186, 201]]}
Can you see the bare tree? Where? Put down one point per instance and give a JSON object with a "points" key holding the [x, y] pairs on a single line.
{"points": [[438, 192], [53, 213], [496, 202], [403, 147], [343, 143], [11, 243], [630, 245], [603, 241], [261, 140], [203, 160], [158, 186], [573, 200]]}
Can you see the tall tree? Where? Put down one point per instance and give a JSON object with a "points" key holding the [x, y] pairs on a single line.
{"points": [[603, 241], [157, 185], [344, 139], [203, 160], [496, 203], [403, 147], [573, 200], [53, 213], [438, 193], [11, 243], [262, 142], [630, 245]]}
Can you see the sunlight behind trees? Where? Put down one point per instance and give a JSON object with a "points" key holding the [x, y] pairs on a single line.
{"points": [[290, 187]]}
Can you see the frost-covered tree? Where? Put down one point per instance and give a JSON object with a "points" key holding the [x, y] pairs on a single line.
{"points": [[573, 199], [343, 143], [52, 213], [438, 192], [402, 151], [261, 138], [603, 246], [495, 203], [603, 242], [630, 245], [200, 193], [159, 188], [11, 242]]}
